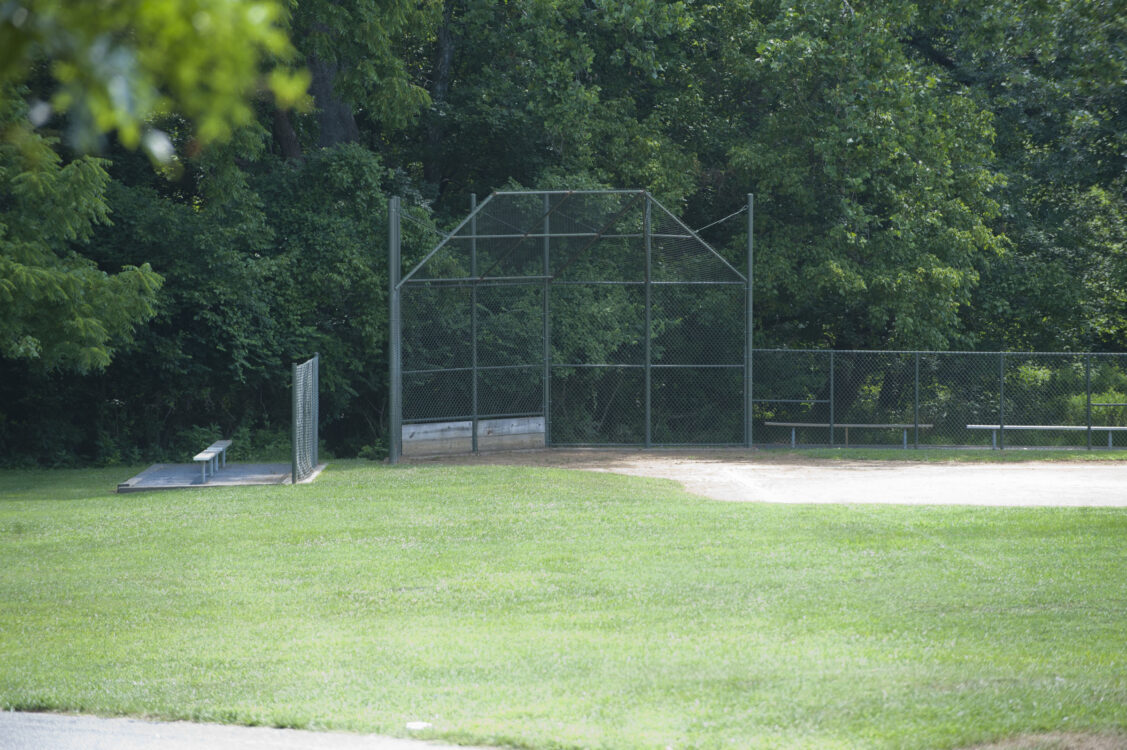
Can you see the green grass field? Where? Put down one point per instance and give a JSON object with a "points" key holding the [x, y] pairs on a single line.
{"points": [[554, 609]]}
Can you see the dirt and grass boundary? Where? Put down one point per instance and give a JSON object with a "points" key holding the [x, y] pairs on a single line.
{"points": [[927, 477]]}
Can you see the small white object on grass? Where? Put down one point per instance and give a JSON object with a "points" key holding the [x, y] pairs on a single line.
{"points": [[418, 726]]}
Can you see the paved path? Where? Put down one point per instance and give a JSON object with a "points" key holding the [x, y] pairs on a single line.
{"points": [[29, 731]]}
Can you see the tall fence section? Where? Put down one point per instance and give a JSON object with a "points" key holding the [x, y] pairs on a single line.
{"points": [[989, 399], [582, 318], [567, 318], [306, 386]]}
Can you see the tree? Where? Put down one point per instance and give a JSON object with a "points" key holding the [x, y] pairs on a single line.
{"points": [[116, 65], [876, 175], [107, 68], [57, 307], [535, 91], [1053, 81], [351, 48]]}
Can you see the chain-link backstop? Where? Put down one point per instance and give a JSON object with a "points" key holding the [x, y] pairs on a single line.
{"points": [[568, 318]]}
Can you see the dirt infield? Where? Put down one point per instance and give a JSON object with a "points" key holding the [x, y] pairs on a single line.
{"points": [[760, 476]]}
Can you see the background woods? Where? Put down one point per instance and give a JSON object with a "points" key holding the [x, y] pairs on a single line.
{"points": [[175, 229]]}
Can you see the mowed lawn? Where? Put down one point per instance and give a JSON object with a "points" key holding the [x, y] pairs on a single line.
{"points": [[558, 609]]}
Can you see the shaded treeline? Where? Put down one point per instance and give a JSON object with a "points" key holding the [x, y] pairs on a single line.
{"points": [[937, 177]]}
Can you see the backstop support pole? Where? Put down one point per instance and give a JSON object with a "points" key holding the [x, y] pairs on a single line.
{"points": [[832, 375], [749, 325], [473, 323], [293, 425], [647, 233], [316, 406], [547, 375], [395, 350], [916, 405]]}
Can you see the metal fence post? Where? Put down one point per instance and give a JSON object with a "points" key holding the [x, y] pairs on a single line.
{"points": [[293, 423], [317, 409], [916, 404], [547, 373], [1088, 392], [473, 323], [831, 397], [395, 387], [1001, 400], [647, 234], [749, 327]]}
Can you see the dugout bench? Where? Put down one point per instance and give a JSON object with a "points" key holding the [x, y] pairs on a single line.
{"points": [[212, 458], [1002, 428], [794, 426]]}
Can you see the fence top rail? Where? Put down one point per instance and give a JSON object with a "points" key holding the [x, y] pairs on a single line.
{"points": [[907, 426], [927, 351], [632, 191], [1066, 427]]}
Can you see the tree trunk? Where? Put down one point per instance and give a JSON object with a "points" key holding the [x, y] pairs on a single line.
{"points": [[433, 166], [334, 115], [285, 136]]}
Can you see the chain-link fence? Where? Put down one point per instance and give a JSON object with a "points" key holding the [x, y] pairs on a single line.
{"points": [[306, 385], [598, 318], [577, 317], [988, 399]]}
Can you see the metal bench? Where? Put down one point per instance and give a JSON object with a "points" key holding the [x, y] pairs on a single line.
{"points": [[795, 425], [996, 428], [213, 457]]}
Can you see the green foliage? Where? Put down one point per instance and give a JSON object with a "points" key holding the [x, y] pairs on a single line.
{"points": [[1053, 79], [876, 178], [361, 39], [58, 308], [118, 64], [263, 267], [544, 89]]}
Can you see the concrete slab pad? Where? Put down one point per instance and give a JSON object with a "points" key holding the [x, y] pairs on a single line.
{"points": [[184, 476]]}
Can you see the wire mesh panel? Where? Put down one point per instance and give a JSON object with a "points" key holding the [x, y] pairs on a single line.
{"points": [[598, 405], [508, 378], [597, 325], [598, 334], [437, 352], [697, 348], [306, 378], [1108, 394], [930, 399], [873, 398], [598, 238], [791, 396], [1045, 390], [957, 389], [697, 406]]}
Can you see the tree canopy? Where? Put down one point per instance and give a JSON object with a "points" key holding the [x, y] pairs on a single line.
{"points": [[938, 176], [113, 66]]}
